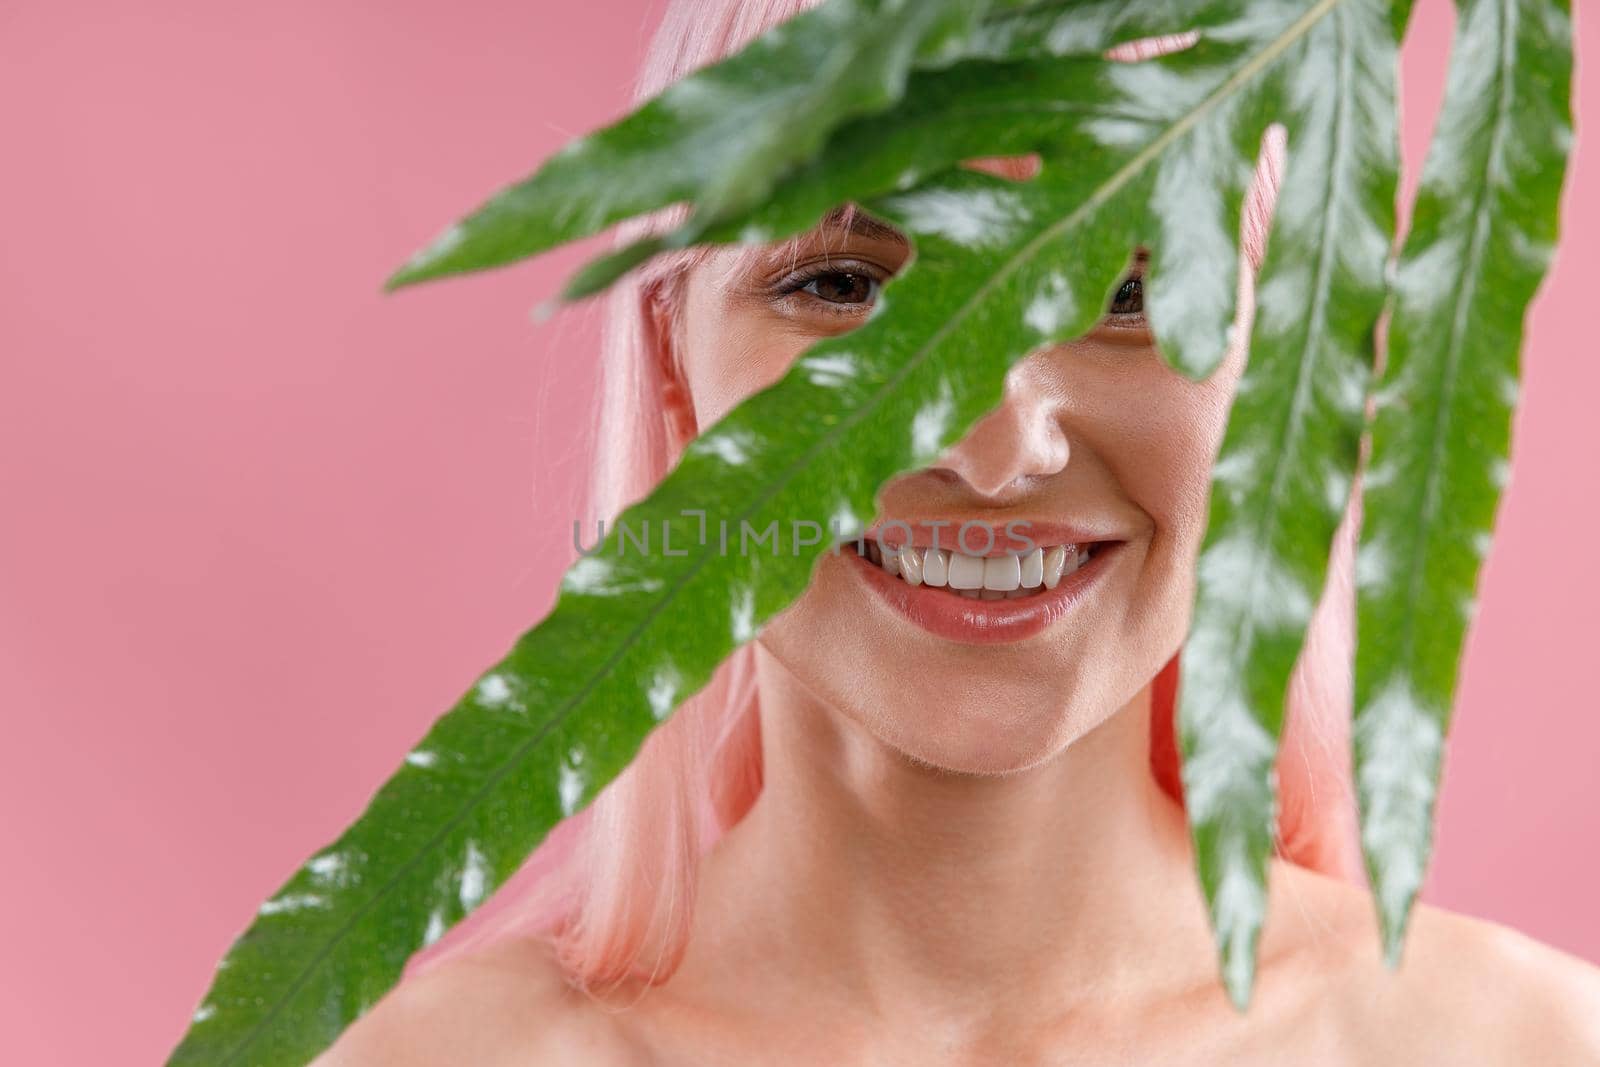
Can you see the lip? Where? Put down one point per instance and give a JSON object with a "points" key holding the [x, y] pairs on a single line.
{"points": [[987, 622]]}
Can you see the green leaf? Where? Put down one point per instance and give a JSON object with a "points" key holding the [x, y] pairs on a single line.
{"points": [[979, 109], [718, 138], [1289, 455], [632, 635], [1484, 231]]}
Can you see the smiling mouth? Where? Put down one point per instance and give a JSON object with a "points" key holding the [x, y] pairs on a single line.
{"points": [[1004, 577]]}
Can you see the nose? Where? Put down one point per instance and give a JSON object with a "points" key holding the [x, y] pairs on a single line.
{"points": [[1021, 440]]}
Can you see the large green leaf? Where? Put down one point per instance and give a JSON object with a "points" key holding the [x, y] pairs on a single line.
{"points": [[632, 634], [721, 138], [718, 138], [1484, 231], [943, 120], [1285, 468]]}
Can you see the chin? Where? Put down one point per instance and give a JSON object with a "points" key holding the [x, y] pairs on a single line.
{"points": [[995, 710], [1002, 730], [978, 746]]}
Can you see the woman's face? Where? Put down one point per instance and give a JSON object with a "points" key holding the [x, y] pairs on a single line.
{"points": [[1098, 440]]}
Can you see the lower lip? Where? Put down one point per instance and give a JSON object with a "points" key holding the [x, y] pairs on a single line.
{"points": [[986, 622]]}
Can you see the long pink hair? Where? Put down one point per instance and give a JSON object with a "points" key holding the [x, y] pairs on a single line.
{"points": [[613, 887]]}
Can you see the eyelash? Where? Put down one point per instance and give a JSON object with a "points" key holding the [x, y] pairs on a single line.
{"points": [[1131, 291], [793, 285]]}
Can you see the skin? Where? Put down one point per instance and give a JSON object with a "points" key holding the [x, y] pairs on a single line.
{"points": [[959, 854]]}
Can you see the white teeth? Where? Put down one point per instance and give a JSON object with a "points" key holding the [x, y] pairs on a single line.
{"points": [[1052, 564], [1033, 569], [1002, 573], [1005, 577], [966, 572], [911, 566]]}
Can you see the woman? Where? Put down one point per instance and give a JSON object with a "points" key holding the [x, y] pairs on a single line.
{"points": [[918, 824]]}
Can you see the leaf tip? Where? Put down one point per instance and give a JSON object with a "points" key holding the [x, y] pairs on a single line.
{"points": [[599, 274], [1394, 917], [1393, 949], [399, 279], [432, 261], [1396, 880], [1239, 972], [586, 283]]}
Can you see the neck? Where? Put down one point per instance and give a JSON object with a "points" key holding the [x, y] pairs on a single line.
{"points": [[904, 882]]}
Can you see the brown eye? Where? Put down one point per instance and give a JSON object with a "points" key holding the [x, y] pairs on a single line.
{"points": [[842, 287], [1129, 299]]}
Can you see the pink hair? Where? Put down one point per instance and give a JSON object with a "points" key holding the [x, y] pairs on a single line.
{"points": [[613, 887]]}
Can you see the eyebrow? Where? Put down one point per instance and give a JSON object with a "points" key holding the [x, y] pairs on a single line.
{"points": [[855, 221], [842, 222]]}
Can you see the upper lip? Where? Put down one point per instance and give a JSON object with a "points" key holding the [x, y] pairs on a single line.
{"points": [[1041, 532]]}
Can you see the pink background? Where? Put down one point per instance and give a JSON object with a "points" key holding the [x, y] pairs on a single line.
{"points": [[262, 524]]}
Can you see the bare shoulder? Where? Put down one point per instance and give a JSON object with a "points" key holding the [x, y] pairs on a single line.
{"points": [[1466, 990], [507, 1005]]}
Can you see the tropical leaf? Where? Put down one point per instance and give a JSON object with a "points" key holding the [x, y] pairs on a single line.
{"points": [[1484, 232], [987, 105], [721, 138], [718, 138], [1288, 458], [631, 635], [1156, 154]]}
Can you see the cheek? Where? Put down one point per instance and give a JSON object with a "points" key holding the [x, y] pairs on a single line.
{"points": [[1171, 439], [1190, 443], [729, 353]]}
